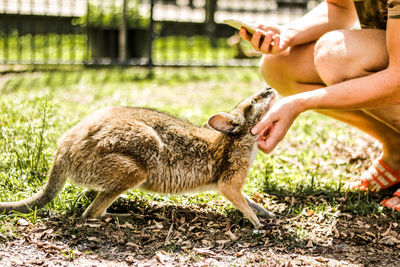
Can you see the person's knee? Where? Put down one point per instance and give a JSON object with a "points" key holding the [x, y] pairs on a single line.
{"points": [[269, 67], [272, 68], [330, 58]]}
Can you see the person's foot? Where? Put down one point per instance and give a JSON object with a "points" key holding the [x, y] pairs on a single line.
{"points": [[393, 202], [379, 176]]}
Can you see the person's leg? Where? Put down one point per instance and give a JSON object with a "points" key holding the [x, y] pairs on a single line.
{"points": [[339, 56], [343, 55]]}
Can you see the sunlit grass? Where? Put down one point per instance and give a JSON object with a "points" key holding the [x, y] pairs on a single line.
{"points": [[307, 171], [73, 48]]}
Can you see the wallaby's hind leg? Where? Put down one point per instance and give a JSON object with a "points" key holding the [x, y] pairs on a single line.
{"points": [[258, 208], [232, 191], [100, 204], [104, 199], [115, 175]]}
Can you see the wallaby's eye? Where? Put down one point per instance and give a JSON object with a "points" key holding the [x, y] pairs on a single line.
{"points": [[252, 103]]}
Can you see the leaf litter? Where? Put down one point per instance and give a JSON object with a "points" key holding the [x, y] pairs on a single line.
{"points": [[189, 236], [165, 234]]}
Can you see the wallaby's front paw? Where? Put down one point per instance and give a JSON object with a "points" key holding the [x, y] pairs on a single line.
{"points": [[258, 227]]}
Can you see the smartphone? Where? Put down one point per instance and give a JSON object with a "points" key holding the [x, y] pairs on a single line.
{"points": [[237, 24]]}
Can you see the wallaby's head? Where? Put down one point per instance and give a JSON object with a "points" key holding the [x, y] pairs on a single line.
{"points": [[245, 115]]}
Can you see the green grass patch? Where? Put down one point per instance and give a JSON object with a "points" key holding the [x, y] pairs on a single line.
{"points": [[306, 172], [68, 48]]}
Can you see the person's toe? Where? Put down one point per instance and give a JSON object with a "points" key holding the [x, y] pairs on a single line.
{"points": [[393, 202]]}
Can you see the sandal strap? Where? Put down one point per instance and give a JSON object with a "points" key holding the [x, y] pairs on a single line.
{"points": [[380, 175]]}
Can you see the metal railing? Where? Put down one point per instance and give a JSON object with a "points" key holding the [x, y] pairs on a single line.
{"points": [[134, 32]]}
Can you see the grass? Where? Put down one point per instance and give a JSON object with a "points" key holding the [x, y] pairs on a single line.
{"points": [[43, 48], [72, 48], [306, 172]]}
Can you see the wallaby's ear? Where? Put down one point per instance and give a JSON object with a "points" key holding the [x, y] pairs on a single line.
{"points": [[222, 122]]}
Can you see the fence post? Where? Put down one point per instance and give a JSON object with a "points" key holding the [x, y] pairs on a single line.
{"points": [[211, 8], [151, 38], [123, 29], [87, 56]]}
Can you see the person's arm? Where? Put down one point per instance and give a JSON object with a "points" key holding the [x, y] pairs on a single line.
{"points": [[376, 90], [328, 16]]}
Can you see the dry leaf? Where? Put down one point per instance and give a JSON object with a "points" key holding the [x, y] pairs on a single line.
{"points": [[370, 234], [204, 251], [128, 225], [321, 260], [162, 257], [210, 262], [223, 242], [231, 235], [257, 197], [389, 240], [335, 232], [23, 222], [244, 245], [92, 225], [310, 212], [131, 244], [92, 238], [130, 259], [287, 199], [388, 230], [157, 225]]}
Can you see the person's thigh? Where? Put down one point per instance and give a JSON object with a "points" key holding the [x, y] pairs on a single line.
{"points": [[292, 72], [337, 56], [348, 54], [390, 115]]}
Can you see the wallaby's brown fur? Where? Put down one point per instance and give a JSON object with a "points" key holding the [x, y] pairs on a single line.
{"points": [[118, 148]]}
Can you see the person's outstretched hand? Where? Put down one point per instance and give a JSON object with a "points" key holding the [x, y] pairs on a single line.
{"points": [[273, 127], [276, 41]]}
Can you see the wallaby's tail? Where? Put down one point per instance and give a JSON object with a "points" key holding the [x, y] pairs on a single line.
{"points": [[53, 186]]}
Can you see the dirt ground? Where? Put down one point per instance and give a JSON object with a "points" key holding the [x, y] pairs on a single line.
{"points": [[157, 234]]}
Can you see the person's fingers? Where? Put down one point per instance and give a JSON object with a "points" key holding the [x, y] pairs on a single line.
{"points": [[271, 28], [244, 34], [261, 125], [255, 40], [283, 43], [266, 44], [275, 47], [272, 138], [261, 27]]}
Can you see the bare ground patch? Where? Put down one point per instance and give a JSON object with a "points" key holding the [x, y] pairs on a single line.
{"points": [[159, 234]]}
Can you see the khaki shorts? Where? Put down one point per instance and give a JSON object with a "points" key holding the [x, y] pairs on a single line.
{"points": [[375, 13]]}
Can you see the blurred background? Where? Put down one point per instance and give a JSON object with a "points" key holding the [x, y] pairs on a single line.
{"points": [[135, 32], [60, 60]]}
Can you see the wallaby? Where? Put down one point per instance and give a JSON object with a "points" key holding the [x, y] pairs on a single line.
{"points": [[118, 148]]}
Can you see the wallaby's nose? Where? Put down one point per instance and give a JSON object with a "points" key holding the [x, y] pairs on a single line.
{"points": [[267, 91]]}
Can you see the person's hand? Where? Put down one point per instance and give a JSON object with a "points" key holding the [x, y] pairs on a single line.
{"points": [[273, 127], [276, 40]]}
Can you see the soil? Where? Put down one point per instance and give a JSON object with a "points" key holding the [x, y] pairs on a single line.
{"points": [[158, 234]]}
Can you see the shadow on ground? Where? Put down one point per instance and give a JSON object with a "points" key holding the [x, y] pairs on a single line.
{"points": [[155, 233]]}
